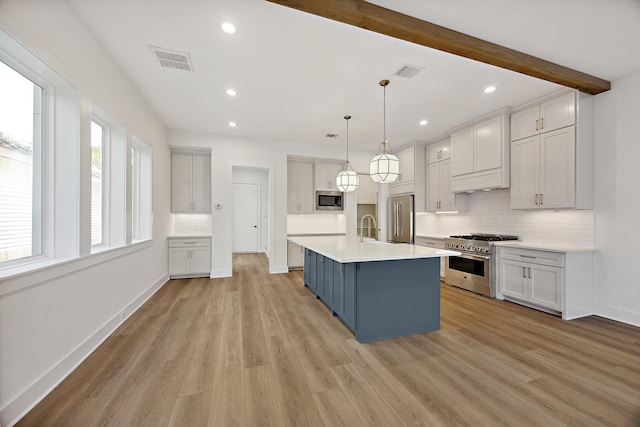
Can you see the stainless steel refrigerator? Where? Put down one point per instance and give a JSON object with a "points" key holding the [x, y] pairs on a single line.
{"points": [[401, 219]]}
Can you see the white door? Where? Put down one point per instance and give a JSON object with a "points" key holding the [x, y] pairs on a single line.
{"points": [[245, 217]]}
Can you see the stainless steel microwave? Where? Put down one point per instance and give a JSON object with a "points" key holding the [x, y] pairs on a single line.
{"points": [[329, 200]]}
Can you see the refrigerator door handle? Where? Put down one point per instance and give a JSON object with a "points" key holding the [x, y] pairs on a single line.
{"points": [[400, 225]]}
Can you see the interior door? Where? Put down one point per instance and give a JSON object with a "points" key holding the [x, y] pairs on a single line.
{"points": [[245, 218]]}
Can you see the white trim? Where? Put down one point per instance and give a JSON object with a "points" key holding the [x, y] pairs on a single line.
{"points": [[279, 269], [624, 316], [38, 390], [220, 273], [32, 274]]}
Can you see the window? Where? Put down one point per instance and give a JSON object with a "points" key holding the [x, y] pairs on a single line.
{"points": [[141, 190], [97, 187], [21, 166]]}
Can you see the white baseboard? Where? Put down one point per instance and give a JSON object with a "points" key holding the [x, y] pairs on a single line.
{"points": [[279, 269], [22, 404], [223, 272], [618, 315]]}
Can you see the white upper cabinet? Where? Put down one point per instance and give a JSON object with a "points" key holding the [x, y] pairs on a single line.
{"points": [[190, 183], [407, 164], [367, 191], [300, 194], [439, 151], [554, 114], [488, 145], [439, 195], [462, 147], [412, 170], [553, 168], [326, 174], [480, 154]]}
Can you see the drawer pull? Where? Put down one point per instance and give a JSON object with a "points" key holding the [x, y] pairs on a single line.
{"points": [[528, 256]]}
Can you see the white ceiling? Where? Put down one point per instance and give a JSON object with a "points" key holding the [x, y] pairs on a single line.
{"points": [[297, 75]]}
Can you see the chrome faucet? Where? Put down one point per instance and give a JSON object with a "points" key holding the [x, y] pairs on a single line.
{"points": [[370, 218]]}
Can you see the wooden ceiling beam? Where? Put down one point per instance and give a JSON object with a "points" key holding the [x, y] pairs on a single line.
{"points": [[365, 15]]}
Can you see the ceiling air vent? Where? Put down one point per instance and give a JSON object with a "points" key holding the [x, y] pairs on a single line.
{"points": [[408, 71], [172, 59], [331, 135]]}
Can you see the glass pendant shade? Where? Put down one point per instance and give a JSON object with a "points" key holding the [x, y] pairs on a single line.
{"points": [[347, 180], [384, 168]]}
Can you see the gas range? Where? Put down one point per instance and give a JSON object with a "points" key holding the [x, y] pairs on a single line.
{"points": [[475, 243], [474, 269]]}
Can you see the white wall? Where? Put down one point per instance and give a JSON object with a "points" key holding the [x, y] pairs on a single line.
{"points": [[617, 200], [229, 152], [60, 314]]}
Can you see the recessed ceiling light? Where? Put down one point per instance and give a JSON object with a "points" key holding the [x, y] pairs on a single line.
{"points": [[228, 28], [233, 124], [489, 89], [231, 92], [423, 122]]}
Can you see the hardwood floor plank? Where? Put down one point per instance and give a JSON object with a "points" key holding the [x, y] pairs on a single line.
{"points": [[262, 397], [260, 349], [192, 411]]}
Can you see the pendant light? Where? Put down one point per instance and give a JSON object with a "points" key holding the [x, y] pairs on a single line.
{"points": [[384, 167], [347, 180]]}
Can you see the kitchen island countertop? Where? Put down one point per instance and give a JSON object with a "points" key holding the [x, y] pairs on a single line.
{"points": [[345, 249]]}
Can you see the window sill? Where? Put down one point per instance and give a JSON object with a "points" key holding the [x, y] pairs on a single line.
{"points": [[20, 277]]}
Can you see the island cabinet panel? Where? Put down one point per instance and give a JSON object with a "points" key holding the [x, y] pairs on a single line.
{"points": [[393, 299], [378, 299], [343, 299], [310, 269]]}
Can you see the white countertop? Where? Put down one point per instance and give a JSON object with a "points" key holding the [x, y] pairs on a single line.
{"points": [[188, 236], [544, 246], [349, 249]]}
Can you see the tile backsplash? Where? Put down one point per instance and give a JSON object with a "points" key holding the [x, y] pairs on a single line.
{"points": [[191, 224], [490, 212]]}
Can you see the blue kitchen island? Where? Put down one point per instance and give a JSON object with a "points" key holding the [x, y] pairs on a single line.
{"points": [[379, 290]]}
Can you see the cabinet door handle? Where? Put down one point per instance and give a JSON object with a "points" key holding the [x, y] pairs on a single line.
{"points": [[541, 199], [524, 272], [536, 199], [536, 124], [541, 123], [529, 272]]}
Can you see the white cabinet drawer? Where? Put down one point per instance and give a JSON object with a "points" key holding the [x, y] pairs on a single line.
{"points": [[554, 259], [186, 243]]}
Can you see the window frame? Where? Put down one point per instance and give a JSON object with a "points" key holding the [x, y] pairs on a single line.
{"points": [[141, 182], [105, 176], [40, 239]]}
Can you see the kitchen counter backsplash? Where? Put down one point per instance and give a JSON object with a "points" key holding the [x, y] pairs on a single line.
{"points": [[191, 224], [490, 212], [316, 223]]}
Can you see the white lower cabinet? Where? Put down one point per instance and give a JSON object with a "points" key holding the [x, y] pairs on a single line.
{"points": [[295, 256], [549, 280], [189, 257], [535, 283]]}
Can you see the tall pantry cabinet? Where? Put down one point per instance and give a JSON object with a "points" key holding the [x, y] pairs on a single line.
{"points": [[552, 153]]}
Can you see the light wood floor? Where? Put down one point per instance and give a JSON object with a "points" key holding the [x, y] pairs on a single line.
{"points": [[259, 350]]}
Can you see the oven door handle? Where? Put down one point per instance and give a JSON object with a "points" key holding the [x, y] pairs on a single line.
{"points": [[474, 256]]}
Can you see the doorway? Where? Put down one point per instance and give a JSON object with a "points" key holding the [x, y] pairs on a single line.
{"points": [[245, 218], [250, 210]]}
